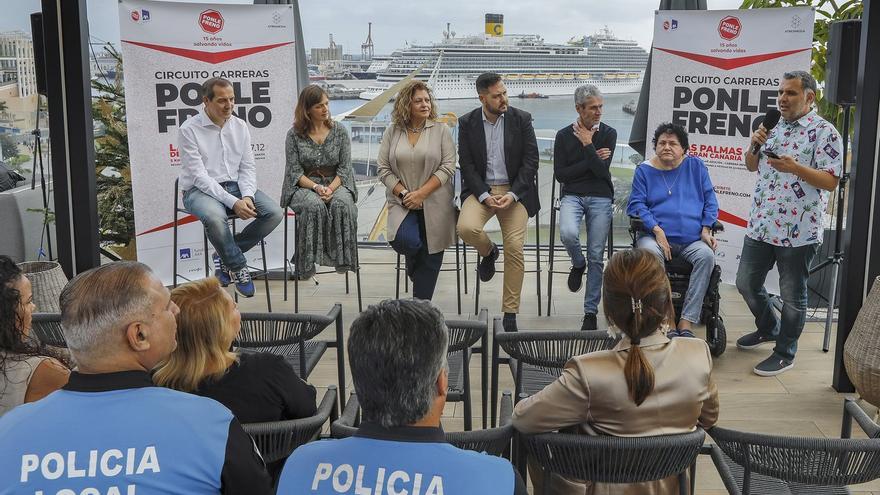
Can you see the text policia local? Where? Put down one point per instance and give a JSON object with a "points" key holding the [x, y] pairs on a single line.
{"points": [[97, 464], [251, 103], [722, 111]]}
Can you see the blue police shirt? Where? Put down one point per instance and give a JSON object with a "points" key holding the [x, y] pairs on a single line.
{"points": [[116, 433], [411, 460]]}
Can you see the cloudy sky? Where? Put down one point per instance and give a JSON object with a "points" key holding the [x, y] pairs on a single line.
{"points": [[396, 21]]}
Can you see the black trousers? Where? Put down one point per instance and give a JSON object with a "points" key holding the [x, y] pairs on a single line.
{"points": [[423, 268]]}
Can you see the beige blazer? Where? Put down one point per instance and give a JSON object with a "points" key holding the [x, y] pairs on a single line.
{"points": [[439, 152], [592, 394]]}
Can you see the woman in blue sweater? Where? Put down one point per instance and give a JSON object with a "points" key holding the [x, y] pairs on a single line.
{"points": [[673, 195]]}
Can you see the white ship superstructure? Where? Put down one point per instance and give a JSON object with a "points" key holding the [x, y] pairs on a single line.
{"points": [[526, 63]]}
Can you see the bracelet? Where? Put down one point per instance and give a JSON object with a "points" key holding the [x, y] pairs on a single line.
{"points": [[315, 187]]}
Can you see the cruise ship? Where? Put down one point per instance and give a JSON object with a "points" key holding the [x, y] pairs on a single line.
{"points": [[526, 63]]}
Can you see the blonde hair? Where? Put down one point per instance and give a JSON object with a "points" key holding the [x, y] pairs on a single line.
{"points": [[401, 115], [202, 341]]}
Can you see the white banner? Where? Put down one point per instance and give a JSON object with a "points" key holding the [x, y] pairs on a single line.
{"points": [[717, 73], [169, 50]]}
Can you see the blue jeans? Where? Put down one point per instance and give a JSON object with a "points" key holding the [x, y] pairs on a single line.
{"points": [[698, 254], [213, 215], [794, 268], [597, 212]]}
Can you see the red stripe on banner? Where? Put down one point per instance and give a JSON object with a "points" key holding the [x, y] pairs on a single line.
{"points": [[183, 221], [731, 63], [732, 219], [209, 57]]}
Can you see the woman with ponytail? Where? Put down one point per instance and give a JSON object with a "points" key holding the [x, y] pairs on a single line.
{"points": [[647, 385]]}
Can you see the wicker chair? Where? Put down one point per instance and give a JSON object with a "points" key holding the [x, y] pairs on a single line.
{"points": [[537, 358], [291, 336], [861, 352], [277, 439], [607, 459], [756, 463], [495, 441], [46, 327], [463, 334]]}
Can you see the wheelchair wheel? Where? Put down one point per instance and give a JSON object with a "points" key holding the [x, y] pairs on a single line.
{"points": [[716, 336]]}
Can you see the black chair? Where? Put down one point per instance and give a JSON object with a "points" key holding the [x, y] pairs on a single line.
{"points": [[292, 336], [494, 441], [458, 254], [463, 334], [46, 327], [178, 209], [537, 358], [557, 205], [288, 269], [536, 271], [757, 463], [679, 272], [607, 459], [276, 440]]}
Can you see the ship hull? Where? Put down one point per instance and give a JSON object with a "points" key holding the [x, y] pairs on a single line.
{"points": [[464, 88]]}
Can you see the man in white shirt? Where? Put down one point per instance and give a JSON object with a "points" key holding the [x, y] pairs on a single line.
{"points": [[219, 179]]}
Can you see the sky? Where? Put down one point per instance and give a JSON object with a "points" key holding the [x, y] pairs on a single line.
{"points": [[397, 22]]}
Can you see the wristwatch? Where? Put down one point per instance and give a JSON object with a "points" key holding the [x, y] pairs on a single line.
{"points": [[402, 194]]}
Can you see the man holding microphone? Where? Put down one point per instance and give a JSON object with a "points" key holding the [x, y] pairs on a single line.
{"points": [[798, 164]]}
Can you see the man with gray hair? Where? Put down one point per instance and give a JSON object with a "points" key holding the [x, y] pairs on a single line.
{"points": [[397, 353], [218, 178], [798, 164], [109, 430], [582, 156]]}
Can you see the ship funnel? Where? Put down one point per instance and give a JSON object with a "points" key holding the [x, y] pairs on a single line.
{"points": [[495, 25]]}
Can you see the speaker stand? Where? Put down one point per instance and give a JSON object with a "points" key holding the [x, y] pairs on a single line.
{"points": [[837, 256], [38, 152]]}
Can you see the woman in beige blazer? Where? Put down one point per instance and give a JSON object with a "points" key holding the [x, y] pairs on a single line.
{"points": [[417, 165], [647, 385]]}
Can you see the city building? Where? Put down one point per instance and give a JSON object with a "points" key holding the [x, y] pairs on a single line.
{"points": [[17, 62]]}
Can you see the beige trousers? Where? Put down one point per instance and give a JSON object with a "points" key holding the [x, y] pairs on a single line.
{"points": [[513, 220]]}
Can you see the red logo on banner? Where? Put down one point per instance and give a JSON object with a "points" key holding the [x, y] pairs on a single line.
{"points": [[135, 15], [729, 27], [211, 21]]}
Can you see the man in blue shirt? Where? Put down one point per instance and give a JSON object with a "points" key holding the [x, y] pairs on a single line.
{"points": [[109, 430], [397, 353]]}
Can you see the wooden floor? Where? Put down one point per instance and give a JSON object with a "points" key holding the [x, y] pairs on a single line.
{"points": [[799, 402]]}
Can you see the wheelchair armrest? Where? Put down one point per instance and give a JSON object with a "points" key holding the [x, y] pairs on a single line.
{"points": [[636, 224]]}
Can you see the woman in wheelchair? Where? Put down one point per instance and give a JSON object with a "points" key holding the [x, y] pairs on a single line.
{"points": [[673, 196]]}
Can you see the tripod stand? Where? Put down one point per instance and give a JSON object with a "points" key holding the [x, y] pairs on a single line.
{"points": [[38, 152], [837, 256]]}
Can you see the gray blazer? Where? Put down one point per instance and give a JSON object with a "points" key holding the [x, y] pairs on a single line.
{"points": [[440, 157]]}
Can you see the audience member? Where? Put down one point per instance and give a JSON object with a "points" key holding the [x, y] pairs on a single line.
{"points": [[319, 187], [498, 155], [255, 386], [647, 385], [582, 154], [109, 430], [218, 178], [397, 353], [673, 196], [417, 165], [28, 371]]}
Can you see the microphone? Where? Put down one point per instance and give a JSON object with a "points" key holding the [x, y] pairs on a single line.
{"points": [[770, 121]]}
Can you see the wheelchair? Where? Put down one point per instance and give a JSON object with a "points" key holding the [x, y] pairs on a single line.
{"points": [[679, 272]]}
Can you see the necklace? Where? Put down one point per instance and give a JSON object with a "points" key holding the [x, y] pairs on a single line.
{"points": [[416, 130], [669, 187]]}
